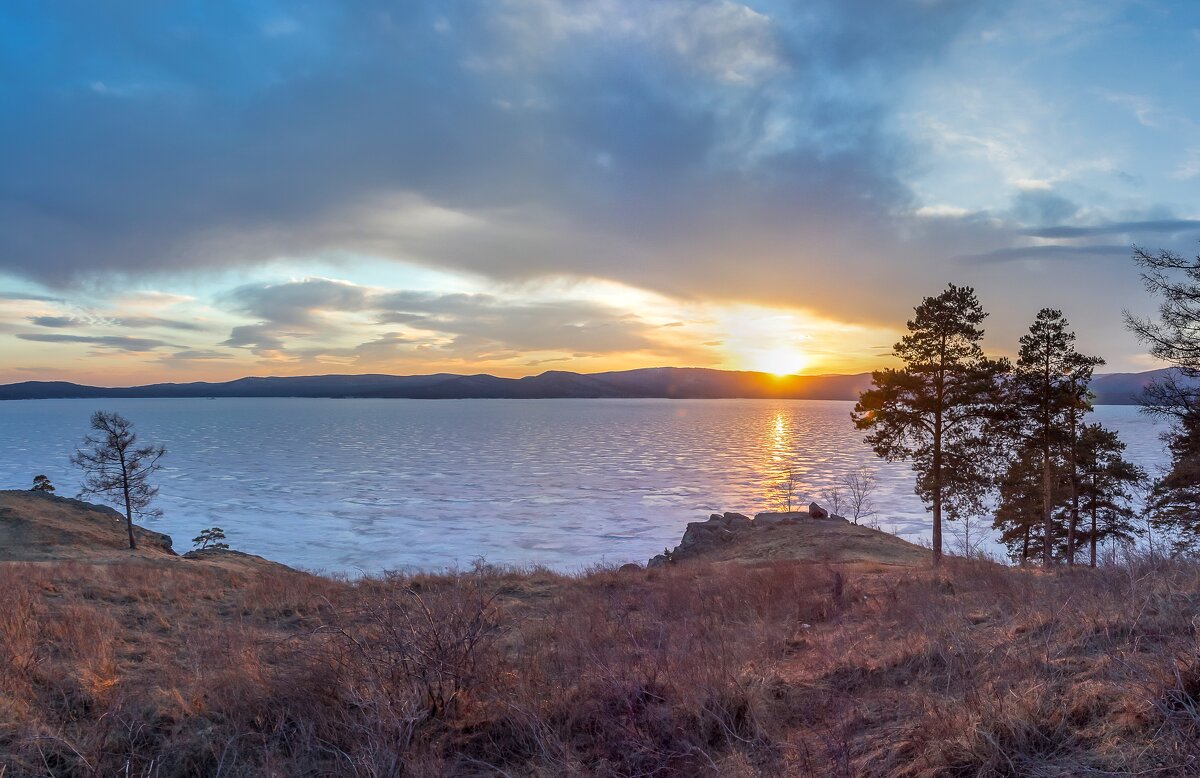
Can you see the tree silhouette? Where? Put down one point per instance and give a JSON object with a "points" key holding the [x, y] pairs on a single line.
{"points": [[1049, 396], [1174, 499], [213, 537], [42, 484], [860, 489], [1106, 486], [1018, 512], [117, 469], [936, 410]]}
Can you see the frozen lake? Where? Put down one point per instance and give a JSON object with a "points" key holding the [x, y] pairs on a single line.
{"points": [[347, 485]]}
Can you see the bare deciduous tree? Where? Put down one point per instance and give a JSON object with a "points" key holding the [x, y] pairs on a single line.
{"points": [[969, 536], [860, 491], [787, 491], [835, 498], [117, 469]]}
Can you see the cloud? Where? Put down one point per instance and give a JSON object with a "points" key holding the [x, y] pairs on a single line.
{"points": [[1189, 168], [295, 303], [1054, 251], [1168, 226], [462, 326], [698, 147], [482, 324], [135, 322], [54, 321], [260, 338], [289, 310], [141, 322], [1141, 107], [712, 151], [116, 342], [29, 297], [1042, 206], [199, 354]]}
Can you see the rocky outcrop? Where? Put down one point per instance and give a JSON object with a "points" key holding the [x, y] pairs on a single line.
{"points": [[794, 535], [701, 537]]}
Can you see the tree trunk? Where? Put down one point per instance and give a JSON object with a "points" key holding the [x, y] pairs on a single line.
{"points": [[937, 488], [1025, 548], [1047, 530], [128, 504], [1093, 544], [1047, 527], [1074, 493]]}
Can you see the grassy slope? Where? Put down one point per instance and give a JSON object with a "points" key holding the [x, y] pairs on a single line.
{"points": [[159, 665]]}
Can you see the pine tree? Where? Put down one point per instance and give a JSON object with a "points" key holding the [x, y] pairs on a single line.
{"points": [[1050, 396], [1018, 511], [213, 537], [116, 468], [42, 483], [936, 409], [1174, 500], [1106, 486]]}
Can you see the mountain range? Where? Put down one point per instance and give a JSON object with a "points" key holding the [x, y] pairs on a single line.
{"points": [[656, 382]]}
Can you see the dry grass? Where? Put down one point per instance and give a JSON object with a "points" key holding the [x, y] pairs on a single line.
{"points": [[779, 668]]}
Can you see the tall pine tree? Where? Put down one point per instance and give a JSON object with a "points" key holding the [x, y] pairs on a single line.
{"points": [[936, 409], [1049, 397]]}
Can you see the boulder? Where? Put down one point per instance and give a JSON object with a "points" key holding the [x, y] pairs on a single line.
{"points": [[769, 518], [657, 561], [736, 522], [817, 512], [704, 534], [629, 567]]}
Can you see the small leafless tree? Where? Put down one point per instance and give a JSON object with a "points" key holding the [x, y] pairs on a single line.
{"points": [[117, 469], [968, 536], [835, 497], [860, 488], [787, 491]]}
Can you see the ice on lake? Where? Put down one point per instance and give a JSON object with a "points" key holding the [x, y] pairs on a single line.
{"points": [[368, 485]]}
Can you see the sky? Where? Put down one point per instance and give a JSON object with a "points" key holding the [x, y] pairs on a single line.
{"points": [[207, 190]]}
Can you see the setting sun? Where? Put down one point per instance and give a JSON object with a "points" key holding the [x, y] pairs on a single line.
{"points": [[780, 361]]}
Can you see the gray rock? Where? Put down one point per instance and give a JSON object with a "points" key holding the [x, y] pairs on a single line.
{"points": [[630, 567], [736, 522], [704, 534], [768, 518], [817, 512], [657, 561]]}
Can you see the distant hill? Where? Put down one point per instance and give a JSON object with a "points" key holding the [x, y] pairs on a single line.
{"points": [[665, 382], [1124, 388], [656, 382]]}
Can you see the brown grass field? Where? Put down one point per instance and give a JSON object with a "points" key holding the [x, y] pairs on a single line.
{"points": [[153, 665]]}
